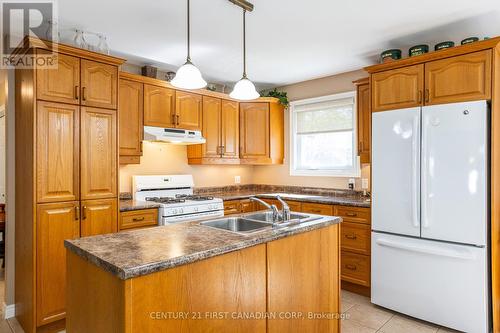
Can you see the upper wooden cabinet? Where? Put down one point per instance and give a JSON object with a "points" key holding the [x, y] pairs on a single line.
{"points": [[98, 154], [364, 119], [188, 110], [99, 84], [397, 88], [159, 106], [99, 217], [130, 110], [60, 84], [261, 133], [57, 152], [220, 129], [55, 223], [458, 79], [230, 130]]}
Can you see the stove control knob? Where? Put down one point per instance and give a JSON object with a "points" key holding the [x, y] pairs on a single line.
{"points": [[181, 210], [195, 209], [175, 211]]}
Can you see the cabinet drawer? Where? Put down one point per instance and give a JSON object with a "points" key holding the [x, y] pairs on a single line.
{"points": [[231, 207], [246, 206], [353, 214], [138, 218], [295, 206], [315, 208], [355, 268], [355, 237]]}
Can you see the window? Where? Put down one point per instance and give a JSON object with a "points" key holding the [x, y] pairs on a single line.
{"points": [[323, 136]]}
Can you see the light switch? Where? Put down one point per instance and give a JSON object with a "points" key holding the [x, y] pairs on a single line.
{"points": [[237, 179]]}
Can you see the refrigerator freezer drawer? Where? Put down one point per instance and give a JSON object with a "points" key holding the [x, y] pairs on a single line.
{"points": [[438, 282]]}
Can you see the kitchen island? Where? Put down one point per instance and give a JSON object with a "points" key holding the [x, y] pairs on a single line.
{"points": [[188, 277]]}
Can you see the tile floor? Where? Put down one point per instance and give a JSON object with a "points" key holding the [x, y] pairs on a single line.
{"points": [[361, 317]]}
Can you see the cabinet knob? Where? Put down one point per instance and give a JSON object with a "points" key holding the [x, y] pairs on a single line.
{"points": [[84, 212], [76, 92], [427, 95], [351, 236], [83, 94], [351, 267], [77, 213], [420, 97], [138, 219]]}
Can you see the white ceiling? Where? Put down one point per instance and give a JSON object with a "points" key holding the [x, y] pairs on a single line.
{"points": [[288, 40]]}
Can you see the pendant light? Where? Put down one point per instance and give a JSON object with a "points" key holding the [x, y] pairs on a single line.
{"points": [[244, 89], [188, 76]]}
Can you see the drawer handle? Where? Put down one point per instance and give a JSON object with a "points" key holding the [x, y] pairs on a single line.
{"points": [[84, 97], [84, 212], [351, 267], [76, 92], [77, 213], [352, 236], [138, 219], [351, 214]]}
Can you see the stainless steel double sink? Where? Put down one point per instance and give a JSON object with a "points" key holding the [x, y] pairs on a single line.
{"points": [[256, 222]]}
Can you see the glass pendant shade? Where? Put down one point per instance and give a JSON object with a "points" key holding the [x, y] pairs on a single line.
{"points": [[188, 77], [244, 90]]}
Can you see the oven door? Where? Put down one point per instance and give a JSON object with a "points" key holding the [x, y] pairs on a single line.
{"points": [[166, 220]]}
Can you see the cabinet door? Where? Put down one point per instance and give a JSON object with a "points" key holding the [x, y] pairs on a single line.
{"points": [[57, 152], [55, 223], [211, 127], [230, 129], [188, 110], [458, 79], [296, 283], [99, 84], [131, 118], [59, 84], [397, 88], [254, 130], [364, 122], [99, 217], [98, 154], [159, 106]]}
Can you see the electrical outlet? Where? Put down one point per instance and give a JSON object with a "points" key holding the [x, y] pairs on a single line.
{"points": [[352, 182], [364, 183], [237, 179]]}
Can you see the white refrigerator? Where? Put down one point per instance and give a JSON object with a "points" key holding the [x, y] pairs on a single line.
{"points": [[430, 213]]}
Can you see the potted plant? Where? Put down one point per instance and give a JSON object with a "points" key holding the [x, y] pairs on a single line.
{"points": [[281, 95]]}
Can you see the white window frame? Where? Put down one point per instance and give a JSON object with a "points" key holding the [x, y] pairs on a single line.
{"points": [[355, 171]]}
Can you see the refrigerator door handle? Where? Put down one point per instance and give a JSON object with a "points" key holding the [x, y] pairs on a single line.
{"points": [[415, 173], [424, 171], [426, 249]]}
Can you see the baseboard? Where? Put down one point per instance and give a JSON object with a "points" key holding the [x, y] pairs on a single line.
{"points": [[356, 288], [9, 310]]}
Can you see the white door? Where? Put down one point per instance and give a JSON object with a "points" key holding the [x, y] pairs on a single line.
{"points": [[438, 282], [454, 172], [396, 171]]}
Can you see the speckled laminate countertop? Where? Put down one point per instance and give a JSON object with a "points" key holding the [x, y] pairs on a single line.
{"points": [[356, 201], [134, 253]]}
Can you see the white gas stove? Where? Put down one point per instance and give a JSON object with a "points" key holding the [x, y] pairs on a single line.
{"points": [[174, 193]]}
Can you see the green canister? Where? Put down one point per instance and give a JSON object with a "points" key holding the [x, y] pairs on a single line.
{"points": [[443, 45], [418, 50], [469, 40], [393, 54]]}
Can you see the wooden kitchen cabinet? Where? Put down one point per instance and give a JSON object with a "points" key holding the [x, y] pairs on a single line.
{"points": [[317, 208], [61, 84], [98, 217], [99, 84], [131, 124], [355, 268], [230, 130], [247, 205], [232, 207], [141, 218], [98, 161], [364, 119], [296, 283], [220, 129], [458, 79], [159, 106], [397, 88], [354, 214], [261, 133], [355, 237], [57, 152], [188, 110], [55, 223]]}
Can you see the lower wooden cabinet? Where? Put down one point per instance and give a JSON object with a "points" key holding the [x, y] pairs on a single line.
{"points": [[317, 208], [297, 284], [355, 268], [55, 223], [99, 217], [238, 206], [355, 237], [138, 219]]}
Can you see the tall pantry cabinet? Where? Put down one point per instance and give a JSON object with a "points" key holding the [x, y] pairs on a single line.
{"points": [[66, 173]]}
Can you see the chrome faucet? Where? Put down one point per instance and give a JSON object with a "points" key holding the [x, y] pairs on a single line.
{"points": [[285, 213], [276, 213]]}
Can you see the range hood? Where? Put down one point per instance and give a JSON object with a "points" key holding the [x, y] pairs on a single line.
{"points": [[173, 135]]}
